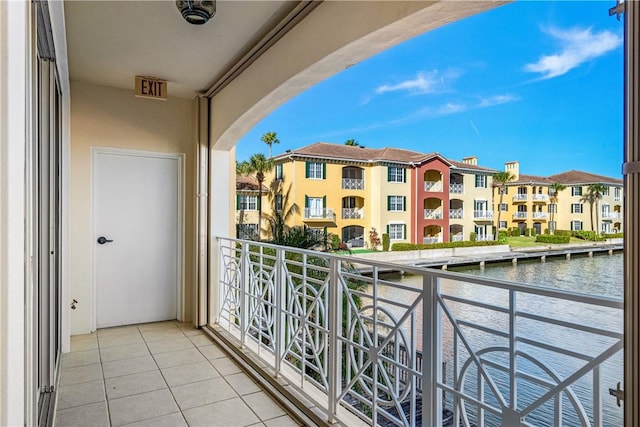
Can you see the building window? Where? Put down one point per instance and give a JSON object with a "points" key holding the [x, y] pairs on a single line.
{"points": [[576, 191], [551, 208], [395, 174], [279, 176], [606, 191], [503, 207], [247, 203], [576, 225], [315, 170], [246, 231], [481, 181], [616, 194], [502, 224], [396, 203], [278, 202], [396, 231], [576, 208]]}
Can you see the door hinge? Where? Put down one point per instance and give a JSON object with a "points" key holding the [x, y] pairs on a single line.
{"points": [[617, 393], [617, 10]]}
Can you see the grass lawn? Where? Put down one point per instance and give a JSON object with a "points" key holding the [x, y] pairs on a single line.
{"points": [[524, 242]]}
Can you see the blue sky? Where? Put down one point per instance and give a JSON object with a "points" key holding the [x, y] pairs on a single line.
{"points": [[535, 81]]}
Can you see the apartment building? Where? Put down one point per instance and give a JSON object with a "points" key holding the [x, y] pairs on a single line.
{"points": [[530, 202], [248, 202], [414, 197]]}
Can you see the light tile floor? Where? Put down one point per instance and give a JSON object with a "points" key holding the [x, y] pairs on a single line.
{"points": [[158, 374]]}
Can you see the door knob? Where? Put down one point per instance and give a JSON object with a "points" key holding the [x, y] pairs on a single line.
{"points": [[102, 240]]}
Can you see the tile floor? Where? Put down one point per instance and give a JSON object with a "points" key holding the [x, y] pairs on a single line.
{"points": [[158, 374]]}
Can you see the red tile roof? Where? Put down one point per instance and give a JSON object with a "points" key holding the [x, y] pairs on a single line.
{"points": [[247, 183], [328, 150], [579, 177]]}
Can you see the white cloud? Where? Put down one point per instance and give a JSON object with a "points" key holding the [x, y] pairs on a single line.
{"points": [[578, 45], [497, 100], [424, 82]]}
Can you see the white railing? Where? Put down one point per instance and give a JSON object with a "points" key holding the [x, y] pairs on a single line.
{"points": [[352, 184], [430, 240], [611, 215], [520, 197], [456, 213], [456, 188], [457, 238], [433, 186], [539, 215], [352, 213], [520, 215], [484, 237], [483, 214], [432, 214], [319, 214], [540, 198], [357, 345]]}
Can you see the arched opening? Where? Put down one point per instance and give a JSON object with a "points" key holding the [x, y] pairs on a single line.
{"points": [[353, 236], [432, 180], [456, 209], [456, 232], [432, 208], [352, 178], [352, 207], [432, 234]]}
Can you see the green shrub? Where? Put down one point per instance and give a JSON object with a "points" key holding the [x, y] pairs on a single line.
{"points": [[546, 231], [587, 235], [473, 236], [534, 233], [515, 232], [502, 234], [563, 233], [527, 232], [550, 238], [385, 242], [465, 244], [613, 235]]}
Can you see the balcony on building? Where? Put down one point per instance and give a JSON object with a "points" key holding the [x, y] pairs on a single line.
{"points": [[432, 234], [352, 207], [520, 215], [483, 214], [319, 214], [433, 181], [352, 178], [456, 232], [432, 208], [539, 215], [456, 209], [456, 185], [520, 197], [540, 198]]}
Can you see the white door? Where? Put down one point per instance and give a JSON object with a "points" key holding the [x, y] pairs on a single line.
{"points": [[315, 207], [136, 205]]}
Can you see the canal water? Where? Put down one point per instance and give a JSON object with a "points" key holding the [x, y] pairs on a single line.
{"points": [[601, 275]]}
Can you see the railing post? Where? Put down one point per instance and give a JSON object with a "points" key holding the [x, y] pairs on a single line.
{"points": [[245, 266], [513, 368], [279, 284], [335, 328], [431, 353]]}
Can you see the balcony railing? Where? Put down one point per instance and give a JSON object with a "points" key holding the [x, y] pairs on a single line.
{"points": [[539, 215], [433, 186], [520, 197], [363, 349], [432, 214], [611, 215], [456, 213], [352, 213], [484, 237], [352, 184], [456, 188], [482, 214], [540, 197], [319, 214], [520, 215], [457, 238], [430, 240]]}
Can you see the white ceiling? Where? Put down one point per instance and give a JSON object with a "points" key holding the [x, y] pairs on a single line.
{"points": [[111, 42]]}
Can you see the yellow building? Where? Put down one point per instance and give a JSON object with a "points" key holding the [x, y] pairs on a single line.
{"points": [[530, 203]]}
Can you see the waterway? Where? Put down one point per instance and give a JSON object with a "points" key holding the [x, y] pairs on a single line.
{"points": [[600, 275]]}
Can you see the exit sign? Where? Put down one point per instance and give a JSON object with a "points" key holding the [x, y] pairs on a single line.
{"points": [[148, 87]]}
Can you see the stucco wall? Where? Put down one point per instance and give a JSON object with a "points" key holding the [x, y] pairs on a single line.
{"points": [[107, 117]]}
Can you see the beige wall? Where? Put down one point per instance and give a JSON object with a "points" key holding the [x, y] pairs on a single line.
{"points": [[107, 117]]}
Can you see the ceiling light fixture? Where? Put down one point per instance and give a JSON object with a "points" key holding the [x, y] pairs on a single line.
{"points": [[196, 12]]}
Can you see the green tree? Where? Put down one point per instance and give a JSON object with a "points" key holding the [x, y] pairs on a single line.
{"points": [[597, 191], [554, 189], [270, 138], [258, 165], [352, 142], [281, 211], [589, 197], [500, 180]]}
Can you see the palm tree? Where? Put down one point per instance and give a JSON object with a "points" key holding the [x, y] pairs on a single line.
{"points": [[352, 142], [258, 165], [270, 138], [597, 190], [280, 212], [589, 197], [554, 189], [500, 180]]}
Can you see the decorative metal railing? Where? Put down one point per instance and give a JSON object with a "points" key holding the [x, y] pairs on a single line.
{"points": [[483, 214], [457, 238], [370, 350], [539, 215], [540, 197], [520, 197], [352, 184], [520, 215], [352, 213], [430, 240], [456, 213], [433, 213], [456, 188], [433, 186], [319, 213]]}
